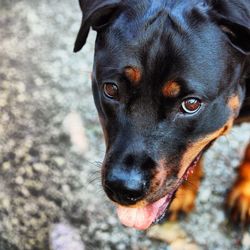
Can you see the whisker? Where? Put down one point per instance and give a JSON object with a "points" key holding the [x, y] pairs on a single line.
{"points": [[94, 180], [96, 164], [100, 190], [95, 172]]}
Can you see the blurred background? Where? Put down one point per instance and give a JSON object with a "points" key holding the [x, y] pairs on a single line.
{"points": [[51, 148]]}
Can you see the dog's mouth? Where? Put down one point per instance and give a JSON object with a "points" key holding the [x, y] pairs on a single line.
{"points": [[142, 218]]}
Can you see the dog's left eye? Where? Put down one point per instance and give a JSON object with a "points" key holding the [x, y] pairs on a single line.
{"points": [[111, 90], [191, 105]]}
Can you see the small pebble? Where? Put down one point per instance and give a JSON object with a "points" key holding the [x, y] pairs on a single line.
{"points": [[65, 237], [246, 241]]}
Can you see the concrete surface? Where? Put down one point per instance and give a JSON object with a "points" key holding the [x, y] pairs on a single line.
{"points": [[51, 145]]}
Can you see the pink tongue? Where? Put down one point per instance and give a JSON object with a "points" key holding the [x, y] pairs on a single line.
{"points": [[140, 218]]}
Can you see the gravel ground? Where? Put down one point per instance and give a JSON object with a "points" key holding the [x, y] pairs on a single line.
{"points": [[51, 147]]}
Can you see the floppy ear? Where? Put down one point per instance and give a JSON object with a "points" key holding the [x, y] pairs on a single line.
{"points": [[238, 34], [96, 14], [233, 17]]}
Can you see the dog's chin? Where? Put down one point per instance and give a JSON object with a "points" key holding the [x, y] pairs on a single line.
{"points": [[142, 218]]}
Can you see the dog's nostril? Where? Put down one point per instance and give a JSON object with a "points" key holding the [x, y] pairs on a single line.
{"points": [[129, 160]]}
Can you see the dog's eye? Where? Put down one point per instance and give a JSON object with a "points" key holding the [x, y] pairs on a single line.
{"points": [[191, 105], [111, 90]]}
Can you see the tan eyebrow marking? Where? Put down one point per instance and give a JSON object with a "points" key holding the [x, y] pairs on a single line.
{"points": [[133, 74], [171, 89]]}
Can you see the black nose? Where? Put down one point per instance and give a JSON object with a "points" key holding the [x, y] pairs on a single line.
{"points": [[126, 186]]}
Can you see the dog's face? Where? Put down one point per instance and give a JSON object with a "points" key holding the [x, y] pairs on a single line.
{"points": [[166, 83]]}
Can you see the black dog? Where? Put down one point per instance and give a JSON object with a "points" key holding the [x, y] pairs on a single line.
{"points": [[169, 78]]}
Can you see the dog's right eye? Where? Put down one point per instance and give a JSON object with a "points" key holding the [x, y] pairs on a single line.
{"points": [[191, 105], [111, 90]]}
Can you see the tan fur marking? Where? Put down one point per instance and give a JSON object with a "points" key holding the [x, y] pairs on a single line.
{"points": [[234, 103], [244, 169], [199, 145], [171, 89], [159, 177], [238, 199], [133, 74], [186, 194], [227, 128]]}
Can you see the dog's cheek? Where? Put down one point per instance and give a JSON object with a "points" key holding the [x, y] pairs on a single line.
{"points": [[99, 107], [195, 148], [104, 130], [159, 176]]}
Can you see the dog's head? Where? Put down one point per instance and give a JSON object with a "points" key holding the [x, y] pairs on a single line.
{"points": [[167, 81]]}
